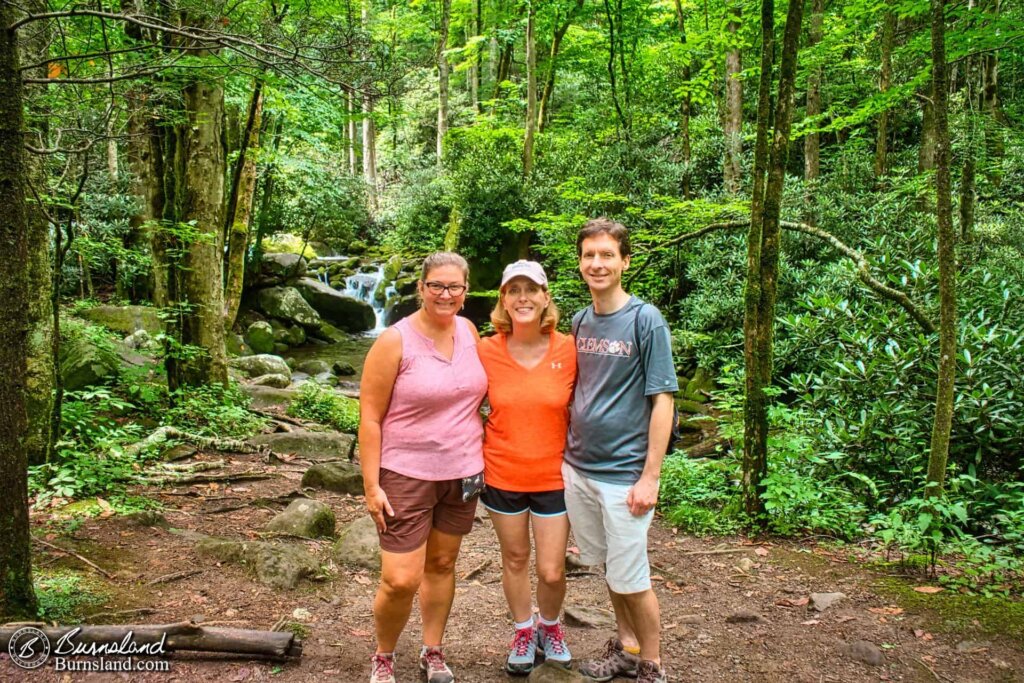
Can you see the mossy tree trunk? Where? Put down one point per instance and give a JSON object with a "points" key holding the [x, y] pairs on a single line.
{"points": [[812, 142], [946, 255], [887, 41], [41, 362], [733, 124], [17, 597], [240, 205], [763, 257]]}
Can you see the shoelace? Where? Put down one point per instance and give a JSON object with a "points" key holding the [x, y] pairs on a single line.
{"points": [[383, 664], [554, 637], [522, 641], [435, 659]]}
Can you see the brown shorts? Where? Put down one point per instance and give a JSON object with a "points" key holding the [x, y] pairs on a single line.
{"points": [[419, 506]]}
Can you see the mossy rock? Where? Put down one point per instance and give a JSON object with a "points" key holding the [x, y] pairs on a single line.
{"points": [[358, 545], [335, 476], [124, 319], [260, 337], [392, 268], [304, 517]]}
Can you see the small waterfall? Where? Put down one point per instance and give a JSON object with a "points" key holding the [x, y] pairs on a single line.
{"points": [[363, 286]]}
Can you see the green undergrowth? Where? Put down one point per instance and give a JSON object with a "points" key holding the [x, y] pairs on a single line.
{"points": [[954, 612], [100, 423], [323, 405], [65, 596]]}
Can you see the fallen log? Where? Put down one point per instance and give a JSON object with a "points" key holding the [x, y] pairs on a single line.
{"points": [[184, 636]]}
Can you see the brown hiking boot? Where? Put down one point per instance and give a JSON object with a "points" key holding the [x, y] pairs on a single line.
{"points": [[649, 672], [613, 662]]}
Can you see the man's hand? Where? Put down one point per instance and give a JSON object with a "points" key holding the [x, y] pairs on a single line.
{"points": [[377, 503], [643, 496]]}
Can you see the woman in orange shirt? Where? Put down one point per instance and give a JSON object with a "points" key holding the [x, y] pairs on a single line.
{"points": [[531, 370]]}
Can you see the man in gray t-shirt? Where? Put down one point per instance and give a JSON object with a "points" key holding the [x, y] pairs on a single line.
{"points": [[619, 427]]}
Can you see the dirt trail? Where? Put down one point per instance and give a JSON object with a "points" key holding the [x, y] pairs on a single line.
{"points": [[765, 587]]}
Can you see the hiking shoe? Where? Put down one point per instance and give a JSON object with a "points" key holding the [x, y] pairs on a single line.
{"points": [[613, 662], [433, 667], [382, 668], [551, 639], [522, 652], [649, 672]]}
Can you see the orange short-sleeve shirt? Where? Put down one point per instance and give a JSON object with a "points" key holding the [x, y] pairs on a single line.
{"points": [[524, 438]]}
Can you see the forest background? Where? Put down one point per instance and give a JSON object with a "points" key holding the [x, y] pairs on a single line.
{"points": [[832, 225]]}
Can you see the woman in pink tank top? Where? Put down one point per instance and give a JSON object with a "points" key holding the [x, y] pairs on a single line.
{"points": [[421, 453]]}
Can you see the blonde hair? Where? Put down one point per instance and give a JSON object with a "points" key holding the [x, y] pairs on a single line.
{"points": [[503, 323]]}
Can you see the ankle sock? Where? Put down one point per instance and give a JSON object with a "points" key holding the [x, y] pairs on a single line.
{"points": [[545, 622], [632, 649], [524, 624]]}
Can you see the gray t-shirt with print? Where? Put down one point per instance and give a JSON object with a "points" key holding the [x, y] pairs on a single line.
{"points": [[611, 407]]}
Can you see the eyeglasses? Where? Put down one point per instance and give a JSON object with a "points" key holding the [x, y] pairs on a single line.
{"points": [[438, 287]]}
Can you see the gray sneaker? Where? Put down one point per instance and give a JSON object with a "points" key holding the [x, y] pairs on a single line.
{"points": [[522, 652], [552, 641], [433, 667], [649, 672], [613, 662], [382, 669]]}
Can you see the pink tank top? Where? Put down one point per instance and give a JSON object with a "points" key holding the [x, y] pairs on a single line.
{"points": [[432, 429]]}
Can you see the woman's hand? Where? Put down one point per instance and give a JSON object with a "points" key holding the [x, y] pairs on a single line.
{"points": [[378, 505]]}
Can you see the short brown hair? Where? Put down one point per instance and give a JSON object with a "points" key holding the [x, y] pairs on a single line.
{"points": [[444, 258], [503, 323], [604, 226]]}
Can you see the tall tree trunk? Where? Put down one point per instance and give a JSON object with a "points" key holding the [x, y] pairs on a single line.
{"points": [[353, 135], [531, 88], [884, 83], [758, 351], [552, 66], [812, 142], [927, 150], [942, 425], [240, 209], [113, 168], [369, 133], [200, 167], [147, 173], [478, 62], [41, 364], [731, 171], [684, 124], [17, 597], [263, 227], [995, 144], [442, 77]]}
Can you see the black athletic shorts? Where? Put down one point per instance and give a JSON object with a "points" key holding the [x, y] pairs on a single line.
{"points": [[540, 503]]}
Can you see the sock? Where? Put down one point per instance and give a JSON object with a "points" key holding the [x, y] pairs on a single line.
{"points": [[545, 622], [424, 648], [389, 655], [632, 649], [524, 624]]}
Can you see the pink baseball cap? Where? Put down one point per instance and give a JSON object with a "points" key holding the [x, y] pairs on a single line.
{"points": [[522, 268]]}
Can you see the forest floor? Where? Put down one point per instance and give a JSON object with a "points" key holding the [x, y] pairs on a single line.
{"points": [[733, 609]]}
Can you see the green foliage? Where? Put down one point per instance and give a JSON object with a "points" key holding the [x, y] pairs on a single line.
{"points": [[213, 410], [64, 595], [323, 405]]}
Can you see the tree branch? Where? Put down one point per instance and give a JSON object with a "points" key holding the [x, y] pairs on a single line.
{"points": [[863, 267]]}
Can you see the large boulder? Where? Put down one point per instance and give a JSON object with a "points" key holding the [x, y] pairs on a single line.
{"points": [[310, 445], [277, 268], [304, 517], [276, 381], [261, 364], [479, 306], [347, 313], [287, 303], [84, 362], [265, 398], [277, 565], [124, 319], [392, 268], [335, 476], [260, 337], [313, 366], [399, 307], [358, 545]]}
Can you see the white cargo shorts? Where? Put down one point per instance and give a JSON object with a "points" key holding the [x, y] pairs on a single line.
{"points": [[607, 532]]}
